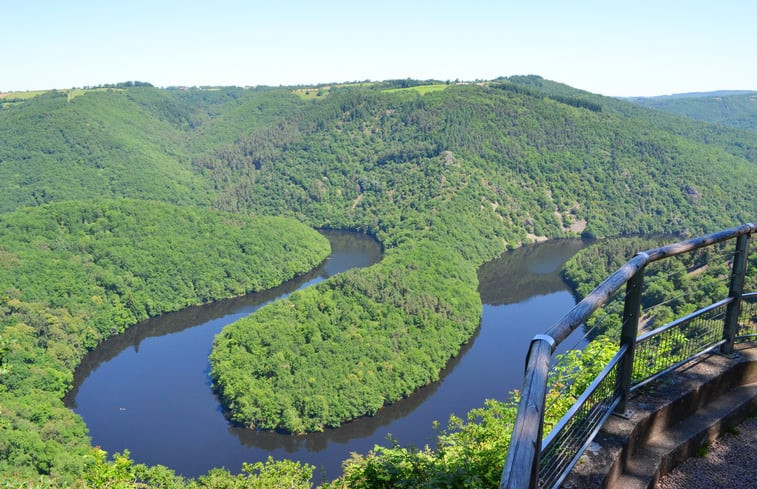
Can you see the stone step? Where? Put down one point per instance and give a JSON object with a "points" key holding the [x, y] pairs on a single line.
{"points": [[682, 409], [667, 449]]}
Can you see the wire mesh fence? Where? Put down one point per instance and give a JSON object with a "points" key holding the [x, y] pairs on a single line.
{"points": [[571, 367], [656, 352], [679, 285], [566, 442], [668, 346], [685, 277], [748, 317]]}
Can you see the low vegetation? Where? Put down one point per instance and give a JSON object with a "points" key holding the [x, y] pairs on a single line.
{"points": [[445, 178]]}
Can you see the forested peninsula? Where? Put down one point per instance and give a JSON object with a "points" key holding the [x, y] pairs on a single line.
{"points": [[446, 176], [76, 273]]}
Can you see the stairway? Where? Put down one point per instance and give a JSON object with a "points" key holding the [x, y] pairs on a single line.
{"points": [[670, 420], [665, 450]]}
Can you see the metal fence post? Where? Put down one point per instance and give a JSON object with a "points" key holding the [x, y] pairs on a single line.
{"points": [[628, 335], [736, 288]]}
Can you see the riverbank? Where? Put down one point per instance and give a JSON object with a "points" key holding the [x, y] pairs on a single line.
{"points": [[522, 293]]}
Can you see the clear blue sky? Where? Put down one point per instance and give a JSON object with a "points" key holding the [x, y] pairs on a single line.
{"points": [[637, 47]]}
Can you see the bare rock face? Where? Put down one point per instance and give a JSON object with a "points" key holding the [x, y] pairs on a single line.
{"points": [[449, 159], [692, 192]]}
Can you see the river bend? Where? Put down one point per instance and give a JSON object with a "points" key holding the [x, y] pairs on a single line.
{"points": [[148, 390]]}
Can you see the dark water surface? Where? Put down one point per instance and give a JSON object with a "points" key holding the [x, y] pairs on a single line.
{"points": [[148, 390]]}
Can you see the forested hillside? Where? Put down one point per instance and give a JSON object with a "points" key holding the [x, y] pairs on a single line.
{"points": [[446, 176], [458, 173], [101, 144], [729, 108], [75, 273]]}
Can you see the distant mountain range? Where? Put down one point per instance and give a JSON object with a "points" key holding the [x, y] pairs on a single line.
{"points": [[735, 108]]}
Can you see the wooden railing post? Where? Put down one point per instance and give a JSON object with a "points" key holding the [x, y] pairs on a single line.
{"points": [[735, 290], [628, 334], [521, 469]]}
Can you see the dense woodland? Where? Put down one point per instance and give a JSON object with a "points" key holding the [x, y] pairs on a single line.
{"points": [[75, 273], [673, 287], [729, 108], [446, 178]]}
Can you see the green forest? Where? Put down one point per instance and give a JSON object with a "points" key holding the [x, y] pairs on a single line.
{"points": [[76, 273], [729, 108], [124, 202], [673, 287]]}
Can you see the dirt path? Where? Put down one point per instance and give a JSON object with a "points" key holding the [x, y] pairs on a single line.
{"points": [[730, 463]]}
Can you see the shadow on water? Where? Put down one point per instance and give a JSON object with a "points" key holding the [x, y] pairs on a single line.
{"points": [[526, 272], [359, 428], [148, 389]]}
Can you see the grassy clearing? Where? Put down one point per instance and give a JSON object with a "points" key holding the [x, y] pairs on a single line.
{"points": [[422, 89], [21, 95], [76, 92], [312, 93]]}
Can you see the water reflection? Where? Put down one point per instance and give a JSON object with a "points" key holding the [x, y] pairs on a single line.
{"points": [[148, 389], [526, 272], [364, 427]]}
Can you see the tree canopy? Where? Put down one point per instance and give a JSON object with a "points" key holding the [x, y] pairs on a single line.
{"points": [[75, 273], [446, 176]]}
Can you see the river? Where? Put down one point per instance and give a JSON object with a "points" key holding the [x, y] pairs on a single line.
{"points": [[148, 390]]}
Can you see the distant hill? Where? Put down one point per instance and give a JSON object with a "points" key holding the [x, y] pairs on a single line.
{"points": [[445, 175], [99, 144], [735, 108]]}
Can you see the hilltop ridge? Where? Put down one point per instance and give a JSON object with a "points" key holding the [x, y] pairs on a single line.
{"points": [[446, 176], [734, 108]]}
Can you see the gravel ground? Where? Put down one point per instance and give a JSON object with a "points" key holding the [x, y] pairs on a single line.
{"points": [[731, 462]]}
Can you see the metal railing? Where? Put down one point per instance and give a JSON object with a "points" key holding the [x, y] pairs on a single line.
{"points": [[748, 318], [535, 463]]}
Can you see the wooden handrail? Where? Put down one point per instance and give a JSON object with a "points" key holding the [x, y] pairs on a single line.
{"points": [[522, 462]]}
